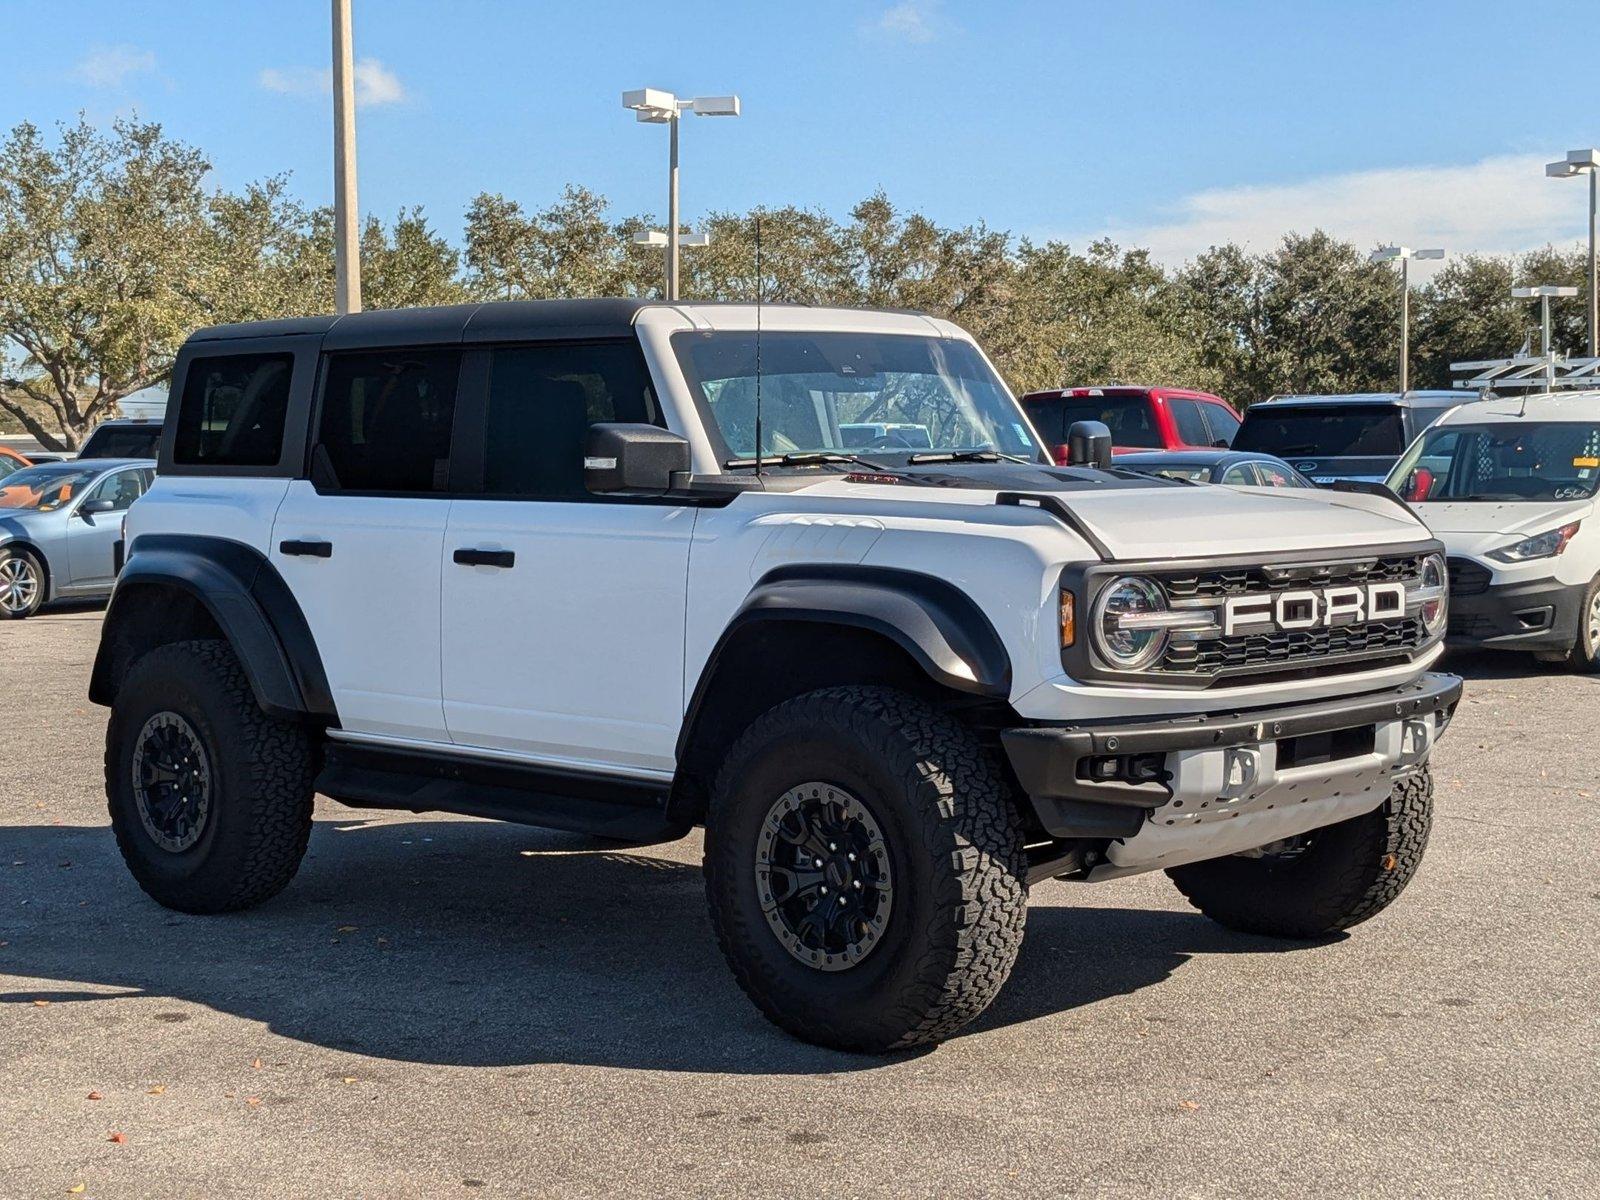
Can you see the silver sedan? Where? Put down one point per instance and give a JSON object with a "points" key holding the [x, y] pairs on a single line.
{"points": [[59, 525]]}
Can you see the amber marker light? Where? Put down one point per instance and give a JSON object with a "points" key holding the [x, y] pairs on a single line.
{"points": [[1069, 619]]}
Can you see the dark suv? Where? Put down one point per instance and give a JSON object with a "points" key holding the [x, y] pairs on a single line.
{"points": [[1359, 436], [122, 438]]}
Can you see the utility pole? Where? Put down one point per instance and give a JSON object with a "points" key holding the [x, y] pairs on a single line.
{"points": [[346, 238]]}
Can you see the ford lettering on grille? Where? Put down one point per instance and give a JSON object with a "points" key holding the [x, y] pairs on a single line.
{"points": [[1309, 608]]}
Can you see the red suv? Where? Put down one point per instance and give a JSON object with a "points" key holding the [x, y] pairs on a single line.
{"points": [[1140, 418]]}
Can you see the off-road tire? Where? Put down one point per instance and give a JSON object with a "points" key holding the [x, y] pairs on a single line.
{"points": [[255, 834], [1346, 873], [954, 841], [37, 568]]}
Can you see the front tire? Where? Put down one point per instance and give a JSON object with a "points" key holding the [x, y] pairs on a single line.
{"points": [[921, 927], [22, 584], [1331, 879], [210, 798]]}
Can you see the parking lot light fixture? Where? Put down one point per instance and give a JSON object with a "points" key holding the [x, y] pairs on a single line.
{"points": [[1586, 162], [653, 106], [1544, 293], [1405, 254]]}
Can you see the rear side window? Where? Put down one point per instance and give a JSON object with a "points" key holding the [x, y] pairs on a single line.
{"points": [[231, 411], [1191, 425], [123, 441], [385, 421], [542, 400]]}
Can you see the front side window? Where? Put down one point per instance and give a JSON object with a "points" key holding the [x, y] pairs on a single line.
{"points": [[120, 489], [879, 395], [542, 400], [1240, 475], [1224, 425], [1323, 431], [1504, 461], [230, 413], [385, 421]]}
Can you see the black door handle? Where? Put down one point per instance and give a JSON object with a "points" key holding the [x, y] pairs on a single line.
{"points": [[310, 549], [485, 558]]}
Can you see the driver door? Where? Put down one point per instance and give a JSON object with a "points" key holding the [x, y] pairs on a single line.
{"points": [[92, 535]]}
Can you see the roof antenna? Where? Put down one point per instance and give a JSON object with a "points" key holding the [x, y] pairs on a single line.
{"points": [[759, 290]]}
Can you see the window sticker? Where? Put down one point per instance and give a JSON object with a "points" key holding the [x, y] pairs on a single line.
{"points": [[1584, 460]]}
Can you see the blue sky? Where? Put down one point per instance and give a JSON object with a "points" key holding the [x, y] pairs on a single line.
{"points": [[1166, 124]]}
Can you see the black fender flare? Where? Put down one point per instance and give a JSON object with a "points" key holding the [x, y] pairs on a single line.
{"points": [[942, 628], [250, 603]]}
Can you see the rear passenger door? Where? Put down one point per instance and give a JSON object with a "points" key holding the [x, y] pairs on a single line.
{"points": [[563, 620], [360, 541]]}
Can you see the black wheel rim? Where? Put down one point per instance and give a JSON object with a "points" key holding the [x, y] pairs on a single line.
{"points": [[823, 877], [171, 782]]}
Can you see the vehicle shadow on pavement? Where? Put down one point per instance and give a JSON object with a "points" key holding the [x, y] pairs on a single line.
{"points": [[1499, 664], [478, 944]]}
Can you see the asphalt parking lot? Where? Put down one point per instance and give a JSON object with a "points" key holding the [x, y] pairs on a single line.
{"points": [[441, 1006]]}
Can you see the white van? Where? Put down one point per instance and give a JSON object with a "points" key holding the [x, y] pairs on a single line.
{"points": [[1508, 486]]}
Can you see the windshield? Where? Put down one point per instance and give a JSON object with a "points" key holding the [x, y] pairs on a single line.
{"points": [[879, 395], [41, 489], [1522, 460], [1170, 471], [1330, 431]]}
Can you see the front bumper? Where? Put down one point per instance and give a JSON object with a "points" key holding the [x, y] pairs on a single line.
{"points": [[1540, 612], [1180, 789]]}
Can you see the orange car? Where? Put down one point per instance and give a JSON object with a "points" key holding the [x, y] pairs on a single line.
{"points": [[11, 461]]}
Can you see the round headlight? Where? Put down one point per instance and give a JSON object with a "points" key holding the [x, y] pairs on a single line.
{"points": [[1435, 607], [1124, 641]]}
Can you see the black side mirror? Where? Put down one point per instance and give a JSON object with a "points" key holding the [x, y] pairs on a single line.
{"points": [[1089, 444], [90, 507], [626, 459]]}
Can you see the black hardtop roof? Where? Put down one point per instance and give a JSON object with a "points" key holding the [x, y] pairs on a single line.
{"points": [[495, 320], [444, 323]]}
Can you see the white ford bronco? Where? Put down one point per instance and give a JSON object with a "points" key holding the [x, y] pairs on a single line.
{"points": [[803, 576]]}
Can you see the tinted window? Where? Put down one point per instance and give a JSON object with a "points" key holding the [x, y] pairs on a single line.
{"points": [[1222, 421], [542, 400], [232, 410], [1192, 429], [1128, 418], [385, 421], [1323, 431], [1045, 413], [124, 441]]}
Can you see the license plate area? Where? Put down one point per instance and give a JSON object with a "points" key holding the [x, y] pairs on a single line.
{"points": [[1313, 749]]}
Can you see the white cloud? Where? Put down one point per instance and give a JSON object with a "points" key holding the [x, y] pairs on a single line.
{"points": [[1499, 205], [909, 21], [111, 66], [376, 84]]}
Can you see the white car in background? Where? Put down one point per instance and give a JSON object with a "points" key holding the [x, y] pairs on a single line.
{"points": [[1508, 486]]}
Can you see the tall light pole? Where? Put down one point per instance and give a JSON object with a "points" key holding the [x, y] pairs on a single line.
{"points": [[1405, 254], [346, 242], [1577, 162], [656, 107], [1544, 293]]}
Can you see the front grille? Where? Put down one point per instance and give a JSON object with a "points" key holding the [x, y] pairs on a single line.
{"points": [[1292, 646], [1468, 578], [1273, 650]]}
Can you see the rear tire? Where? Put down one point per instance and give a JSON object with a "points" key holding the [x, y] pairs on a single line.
{"points": [[210, 798], [945, 852], [1341, 876], [22, 584]]}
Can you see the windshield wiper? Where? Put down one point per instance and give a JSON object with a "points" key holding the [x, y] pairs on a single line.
{"points": [[809, 458], [931, 456]]}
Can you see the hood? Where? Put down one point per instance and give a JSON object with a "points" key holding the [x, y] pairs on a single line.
{"points": [[1519, 517], [1147, 517]]}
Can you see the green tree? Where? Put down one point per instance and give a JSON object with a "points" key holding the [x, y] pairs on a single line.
{"points": [[111, 251]]}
